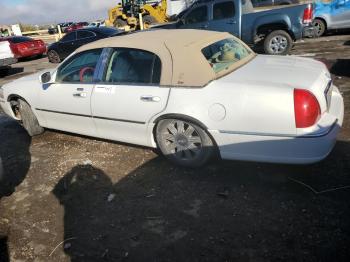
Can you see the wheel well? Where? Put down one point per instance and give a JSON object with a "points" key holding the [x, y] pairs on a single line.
{"points": [[323, 20], [185, 118], [13, 99], [266, 29]]}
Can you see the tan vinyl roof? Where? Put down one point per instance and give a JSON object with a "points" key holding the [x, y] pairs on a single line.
{"points": [[183, 63]]}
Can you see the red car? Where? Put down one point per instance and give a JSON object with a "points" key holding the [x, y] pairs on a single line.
{"points": [[75, 26], [23, 46]]}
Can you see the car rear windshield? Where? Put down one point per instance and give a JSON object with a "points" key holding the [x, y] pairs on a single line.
{"points": [[225, 53], [108, 30], [20, 39]]}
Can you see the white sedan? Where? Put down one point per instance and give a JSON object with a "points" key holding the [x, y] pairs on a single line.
{"points": [[192, 93]]}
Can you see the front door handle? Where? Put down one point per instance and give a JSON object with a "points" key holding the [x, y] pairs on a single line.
{"points": [[81, 95], [150, 98]]}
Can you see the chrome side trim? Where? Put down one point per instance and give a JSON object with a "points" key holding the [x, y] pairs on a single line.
{"points": [[321, 134]]}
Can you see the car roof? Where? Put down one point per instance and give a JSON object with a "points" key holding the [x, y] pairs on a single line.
{"points": [[187, 65]]}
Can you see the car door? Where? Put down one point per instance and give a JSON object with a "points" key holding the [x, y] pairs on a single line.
{"points": [[225, 17], [341, 13], [67, 44], [129, 96], [65, 103], [196, 18]]}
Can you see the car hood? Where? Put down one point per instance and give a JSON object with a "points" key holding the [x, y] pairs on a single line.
{"points": [[28, 78], [287, 71]]}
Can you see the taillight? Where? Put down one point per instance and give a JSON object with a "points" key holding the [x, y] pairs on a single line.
{"points": [[308, 14], [306, 108]]}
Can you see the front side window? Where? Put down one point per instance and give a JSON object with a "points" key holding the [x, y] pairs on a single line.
{"points": [[223, 10], [79, 68], [197, 15], [69, 37], [133, 66], [225, 53]]}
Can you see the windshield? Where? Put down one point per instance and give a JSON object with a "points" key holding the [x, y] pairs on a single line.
{"points": [[225, 53]]}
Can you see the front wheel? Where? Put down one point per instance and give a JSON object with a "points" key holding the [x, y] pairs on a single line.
{"points": [[29, 120], [53, 57], [184, 143], [278, 42], [148, 20]]}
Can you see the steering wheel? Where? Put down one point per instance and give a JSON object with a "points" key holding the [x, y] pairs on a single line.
{"points": [[83, 71]]}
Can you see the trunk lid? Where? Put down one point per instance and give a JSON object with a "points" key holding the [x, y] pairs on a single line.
{"points": [[286, 72]]}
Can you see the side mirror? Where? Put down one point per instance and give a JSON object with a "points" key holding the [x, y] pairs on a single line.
{"points": [[45, 78]]}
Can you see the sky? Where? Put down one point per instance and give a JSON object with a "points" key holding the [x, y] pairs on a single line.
{"points": [[53, 11]]}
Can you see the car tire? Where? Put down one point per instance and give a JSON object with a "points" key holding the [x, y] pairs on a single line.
{"points": [[184, 143], [119, 23], [278, 42], [29, 120], [4, 71], [320, 26], [53, 57], [148, 20]]}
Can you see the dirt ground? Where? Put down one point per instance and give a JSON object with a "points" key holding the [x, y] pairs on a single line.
{"points": [[70, 198]]}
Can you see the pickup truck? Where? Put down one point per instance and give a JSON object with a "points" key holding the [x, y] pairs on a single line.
{"points": [[274, 29], [7, 58], [329, 15]]}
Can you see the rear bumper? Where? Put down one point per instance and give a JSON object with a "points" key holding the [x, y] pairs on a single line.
{"points": [[271, 148], [309, 31], [7, 61]]}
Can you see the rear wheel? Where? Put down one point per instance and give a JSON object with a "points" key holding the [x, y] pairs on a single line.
{"points": [[53, 57], [4, 71], [278, 42], [119, 23], [184, 143], [29, 120], [320, 26]]}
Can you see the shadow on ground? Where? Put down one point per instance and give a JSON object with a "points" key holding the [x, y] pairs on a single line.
{"points": [[11, 71], [15, 161], [226, 211], [341, 67], [4, 255], [15, 157]]}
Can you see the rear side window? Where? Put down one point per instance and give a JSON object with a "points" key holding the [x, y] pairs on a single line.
{"points": [[223, 10], [225, 53], [85, 34], [197, 15], [69, 37], [133, 66]]}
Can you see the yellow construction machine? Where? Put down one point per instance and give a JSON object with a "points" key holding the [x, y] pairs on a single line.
{"points": [[129, 12]]}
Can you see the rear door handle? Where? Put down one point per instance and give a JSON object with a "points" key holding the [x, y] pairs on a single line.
{"points": [[81, 95], [150, 98]]}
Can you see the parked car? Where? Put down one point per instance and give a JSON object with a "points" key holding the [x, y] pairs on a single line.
{"points": [[7, 58], [275, 30], [75, 26], [70, 42], [97, 24], [191, 93], [23, 46], [54, 29], [262, 3], [333, 14]]}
